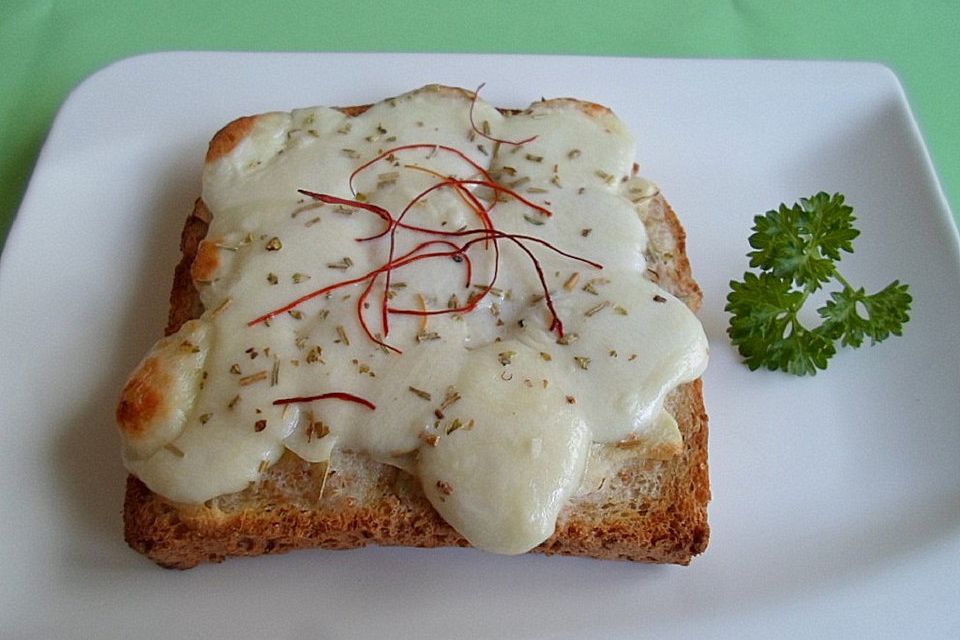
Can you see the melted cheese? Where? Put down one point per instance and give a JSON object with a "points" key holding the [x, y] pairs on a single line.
{"points": [[493, 414]]}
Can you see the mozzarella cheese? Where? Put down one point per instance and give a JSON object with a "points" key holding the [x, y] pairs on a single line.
{"points": [[492, 409]]}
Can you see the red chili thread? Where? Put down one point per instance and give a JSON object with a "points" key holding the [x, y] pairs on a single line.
{"points": [[488, 233], [384, 316], [515, 238], [333, 395], [468, 197], [497, 233], [465, 194], [403, 261], [363, 320], [471, 303], [458, 251], [422, 145], [478, 207], [556, 324], [488, 223], [399, 262], [473, 103], [329, 199], [392, 225], [494, 233], [507, 190]]}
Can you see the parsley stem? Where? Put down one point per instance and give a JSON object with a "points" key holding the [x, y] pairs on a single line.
{"points": [[842, 280], [796, 249]]}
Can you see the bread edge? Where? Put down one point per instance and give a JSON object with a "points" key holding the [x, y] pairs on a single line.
{"points": [[182, 536]]}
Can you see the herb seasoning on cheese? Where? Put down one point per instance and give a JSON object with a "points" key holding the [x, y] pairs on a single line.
{"points": [[453, 291]]}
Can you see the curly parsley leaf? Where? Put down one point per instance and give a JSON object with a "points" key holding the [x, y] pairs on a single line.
{"points": [[852, 315], [766, 329], [802, 242], [796, 249]]}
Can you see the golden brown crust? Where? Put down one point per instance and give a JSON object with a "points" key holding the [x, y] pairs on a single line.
{"points": [[206, 262], [229, 137], [143, 399], [184, 299], [299, 505], [592, 109], [667, 260]]}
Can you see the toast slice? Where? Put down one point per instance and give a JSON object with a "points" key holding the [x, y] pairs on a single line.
{"points": [[631, 505]]}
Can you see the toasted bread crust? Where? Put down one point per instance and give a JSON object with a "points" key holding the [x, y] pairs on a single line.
{"points": [[185, 301], [299, 505], [391, 510], [227, 139]]}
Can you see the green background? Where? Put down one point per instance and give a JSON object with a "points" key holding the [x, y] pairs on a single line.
{"points": [[48, 47]]}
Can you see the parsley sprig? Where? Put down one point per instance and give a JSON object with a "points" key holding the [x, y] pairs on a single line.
{"points": [[796, 250]]}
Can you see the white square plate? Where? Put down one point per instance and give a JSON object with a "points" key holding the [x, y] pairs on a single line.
{"points": [[836, 504]]}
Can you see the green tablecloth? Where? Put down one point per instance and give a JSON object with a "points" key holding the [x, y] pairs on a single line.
{"points": [[47, 47]]}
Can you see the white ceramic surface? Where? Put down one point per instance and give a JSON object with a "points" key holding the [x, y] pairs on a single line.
{"points": [[836, 509]]}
